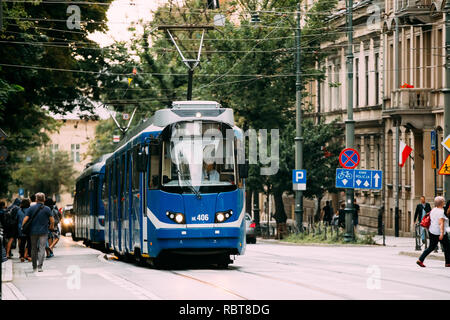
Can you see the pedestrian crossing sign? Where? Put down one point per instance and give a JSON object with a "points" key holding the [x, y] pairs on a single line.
{"points": [[445, 168]]}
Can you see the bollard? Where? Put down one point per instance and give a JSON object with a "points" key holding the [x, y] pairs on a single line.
{"points": [[384, 235], [325, 237]]}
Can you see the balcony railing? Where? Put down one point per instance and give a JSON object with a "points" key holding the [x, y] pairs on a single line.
{"points": [[411, 98], [416, 5]]}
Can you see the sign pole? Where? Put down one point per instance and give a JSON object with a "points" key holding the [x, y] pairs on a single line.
{"points": [[349, 123], [299, 138]]}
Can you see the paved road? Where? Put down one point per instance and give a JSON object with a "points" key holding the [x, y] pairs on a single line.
{"points": [[267, 271]]}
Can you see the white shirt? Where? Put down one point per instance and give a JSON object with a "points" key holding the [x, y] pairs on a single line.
{"points": [[435, 215]]}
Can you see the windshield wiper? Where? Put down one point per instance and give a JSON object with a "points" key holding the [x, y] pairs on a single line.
{"points": [[199, 196]]}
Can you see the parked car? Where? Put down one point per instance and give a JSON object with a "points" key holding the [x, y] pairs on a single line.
{"points": [[250, 229], [67, 220]]}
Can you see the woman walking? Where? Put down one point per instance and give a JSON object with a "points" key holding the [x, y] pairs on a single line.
{"points": [[438, 232]]}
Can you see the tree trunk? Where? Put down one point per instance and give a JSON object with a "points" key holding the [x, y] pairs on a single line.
{"points": [[317, 215], [280, 213]]}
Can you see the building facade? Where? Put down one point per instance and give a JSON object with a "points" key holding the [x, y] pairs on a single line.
{"points": [[73, 137], [398, 81]]}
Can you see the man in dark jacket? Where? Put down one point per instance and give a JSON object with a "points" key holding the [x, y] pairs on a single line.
{"points": [[421, 210], [327, 213], [42, 218]]}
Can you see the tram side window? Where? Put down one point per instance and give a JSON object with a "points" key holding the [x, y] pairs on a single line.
{"points": [[122, 176], [135, 173], [155, 160], [105, 186], [127, 182]]}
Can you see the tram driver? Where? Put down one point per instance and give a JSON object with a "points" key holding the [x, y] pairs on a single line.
{"points": [[209, 172]]}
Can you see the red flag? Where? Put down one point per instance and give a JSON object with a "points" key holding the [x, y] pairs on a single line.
{"points": [[405, 151]]}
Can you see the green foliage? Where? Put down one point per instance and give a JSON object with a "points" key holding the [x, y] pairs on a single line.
{"points": [[45, 172], [32, 80]]}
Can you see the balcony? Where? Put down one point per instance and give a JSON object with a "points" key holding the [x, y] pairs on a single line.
{"points": [[411, 98], [412, 105], [414, 11]]}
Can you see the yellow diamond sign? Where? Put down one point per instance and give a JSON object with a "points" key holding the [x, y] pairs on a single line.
{"points": [[446, 143], [445, 169]]}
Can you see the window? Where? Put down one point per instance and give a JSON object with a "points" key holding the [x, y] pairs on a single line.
{"points": [[54, 147], [377, 79], [367, 80], [357, 81], [212, 4], [75, 152], [135, 174], [154, 178]]}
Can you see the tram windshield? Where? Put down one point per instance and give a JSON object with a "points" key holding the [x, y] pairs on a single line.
{"points": [[199, 157]]}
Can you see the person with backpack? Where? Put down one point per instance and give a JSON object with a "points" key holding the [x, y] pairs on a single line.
{"points": [[24, 240], [40, 217], [11, 225], [421, 210], [438, 229], [53, 236]]}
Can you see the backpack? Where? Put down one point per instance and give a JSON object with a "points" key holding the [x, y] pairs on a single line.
{"points": [[11, 218], [426, 221]]}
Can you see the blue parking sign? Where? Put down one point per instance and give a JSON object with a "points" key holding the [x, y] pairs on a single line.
{"points": [[299, 179]]}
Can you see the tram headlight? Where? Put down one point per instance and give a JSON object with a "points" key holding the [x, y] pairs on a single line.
{"points": [[223, 216], [68, 221], [176, 217]]}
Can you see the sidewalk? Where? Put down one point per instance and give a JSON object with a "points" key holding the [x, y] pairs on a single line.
{"points": [[405, 245]]}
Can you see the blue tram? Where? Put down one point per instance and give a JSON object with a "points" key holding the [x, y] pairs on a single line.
{"points": [[89, 210], [175, 186]]}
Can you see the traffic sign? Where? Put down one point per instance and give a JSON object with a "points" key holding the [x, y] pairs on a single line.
{"points": [[299, 179], [349, 158], [345, 178], [446, 143], [433, 159], [358, 179], [445, 169], [433, 140]]}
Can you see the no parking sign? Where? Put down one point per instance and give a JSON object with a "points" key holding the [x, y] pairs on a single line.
{"points": [[349, 158]]}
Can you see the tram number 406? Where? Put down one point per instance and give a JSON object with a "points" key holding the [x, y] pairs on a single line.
{"points": [[201, 217]]}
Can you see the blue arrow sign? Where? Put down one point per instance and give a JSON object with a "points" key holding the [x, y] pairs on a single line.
{"points": [[299, 179], [358, 179]]}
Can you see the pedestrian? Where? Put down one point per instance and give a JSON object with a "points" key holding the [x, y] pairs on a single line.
{"points": [[335, 219], [11, 226], [438, 231], [53, 235], [33, 200], [327, 213], [355, 214], [24, 240], [421, 210], [2, 223], [41, 218], [341, 221]]}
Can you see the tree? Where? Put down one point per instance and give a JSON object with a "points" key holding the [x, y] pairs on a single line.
{"points": [[45, 67], [44, 171]]}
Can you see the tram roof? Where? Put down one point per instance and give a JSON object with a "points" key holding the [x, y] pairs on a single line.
{"points": [[95, 167], [181, 111]]}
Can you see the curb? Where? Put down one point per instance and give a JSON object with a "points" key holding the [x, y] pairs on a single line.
{"points": [[318, 244], [7, 271], [417, 255]]}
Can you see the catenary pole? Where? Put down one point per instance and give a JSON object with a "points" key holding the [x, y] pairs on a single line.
{"points": [[447, 94], [299, 138], [349, 123]]}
